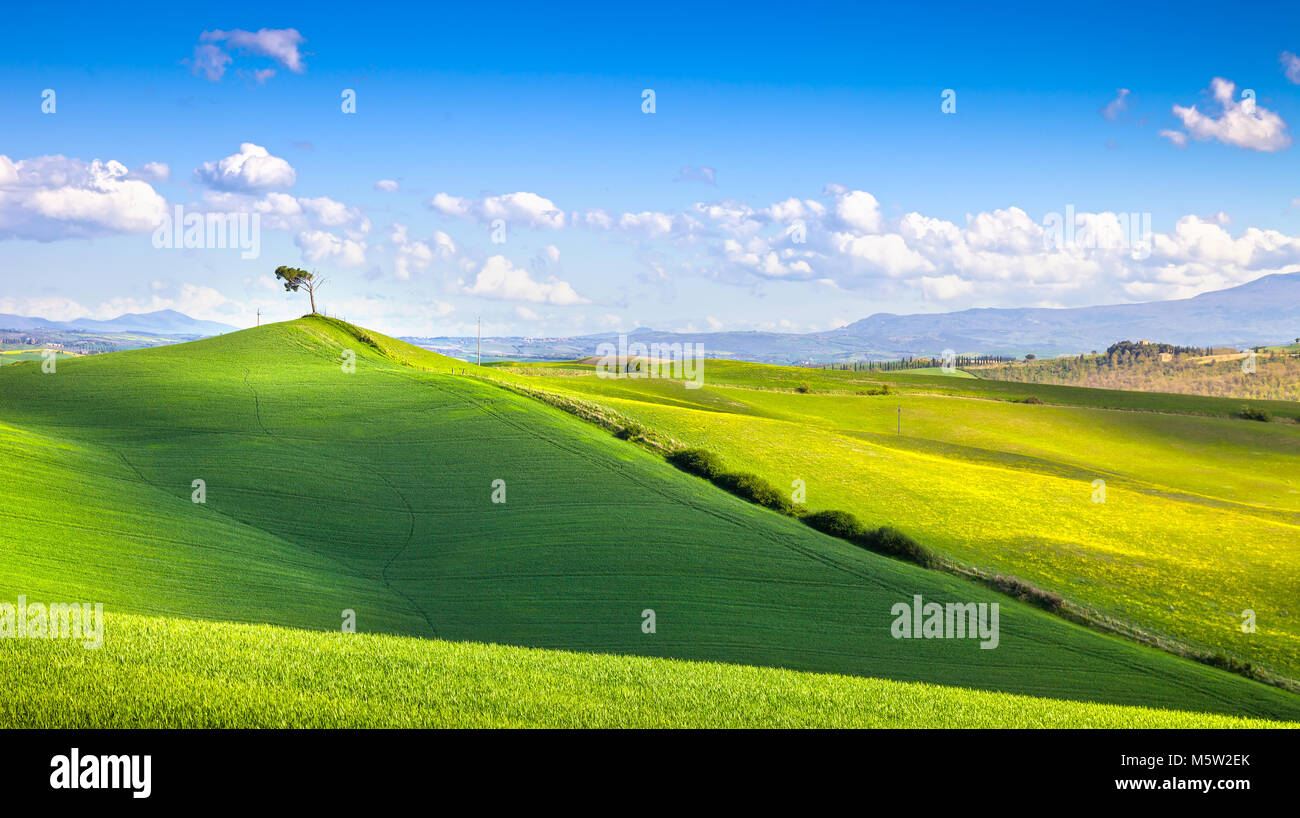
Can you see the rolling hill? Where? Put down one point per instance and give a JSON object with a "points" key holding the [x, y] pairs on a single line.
{"points": [[371, 491], [1199, 520]]}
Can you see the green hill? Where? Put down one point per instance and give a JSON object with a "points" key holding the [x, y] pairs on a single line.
{"points": [[372, 491], [1200, 519]]}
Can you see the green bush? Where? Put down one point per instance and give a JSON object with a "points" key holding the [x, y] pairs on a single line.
{"points": [[883, 540], [1254, 414], [754, 489], [699, 462], [1226, 662], [835, 523], [891, 541], [802, 388], [632, 432]]}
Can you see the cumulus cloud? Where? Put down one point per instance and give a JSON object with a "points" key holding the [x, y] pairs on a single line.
{"points": [[386, 186], [53, 197], [1242, 123], [321, 246], [524, 208], [152, 172], [253, 168], [281, 211], [211, 55], [843, 241], [860, 211], [411, 256], [498, 278]]}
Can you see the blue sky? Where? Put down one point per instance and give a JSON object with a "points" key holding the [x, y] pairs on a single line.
{"points": [[825, 115]]}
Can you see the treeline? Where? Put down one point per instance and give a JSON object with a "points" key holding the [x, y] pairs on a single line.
{"points": [[1274, 376], [917, 363], [1146, 348]]}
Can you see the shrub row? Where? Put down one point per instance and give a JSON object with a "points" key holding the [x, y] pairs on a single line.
{"points": [[841, 524], [883, 540], [751, 487]]}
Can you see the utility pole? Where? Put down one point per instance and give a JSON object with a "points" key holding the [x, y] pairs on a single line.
{"points": [[480, 340], [259, 316]]}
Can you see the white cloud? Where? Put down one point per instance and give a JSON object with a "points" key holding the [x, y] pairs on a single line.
{"points": [[498, 278], [327, 211], [1116, 106], [281, 211], [703, 173], [943, 288], [321, 246], [53, 197], [860, 211], [649, 224], [279, 44], [524, 208], [152, 172], [1242, 123], [414, 256], [253, 168], [1291, 66], [889, 253], [387, 186], [1178, 138], [210, 61]]}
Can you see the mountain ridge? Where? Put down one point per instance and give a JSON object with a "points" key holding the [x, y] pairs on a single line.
{"points": [[157, 322], [1263, 311]]}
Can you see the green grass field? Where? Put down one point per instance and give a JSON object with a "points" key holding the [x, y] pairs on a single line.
{"points": [[1201, 518], [371, 491], [178, 673]]}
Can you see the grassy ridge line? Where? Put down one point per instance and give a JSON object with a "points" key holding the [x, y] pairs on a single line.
{"points": [[1068, 609], [175, 673]]}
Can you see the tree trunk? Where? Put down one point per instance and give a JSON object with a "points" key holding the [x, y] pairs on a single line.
{"points": [[311, 293]]}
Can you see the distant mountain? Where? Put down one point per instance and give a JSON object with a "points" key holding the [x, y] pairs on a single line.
{"points": [[1264, 311], [162, 322]]}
